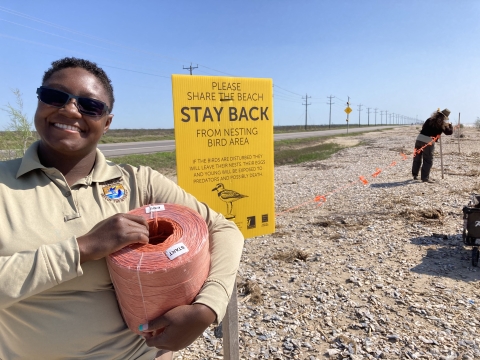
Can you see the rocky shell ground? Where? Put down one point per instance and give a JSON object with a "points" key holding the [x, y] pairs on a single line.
{"points": [[373, 269]]}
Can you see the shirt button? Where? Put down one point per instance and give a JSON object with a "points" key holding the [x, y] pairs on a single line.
{"points": [[68, 193]]}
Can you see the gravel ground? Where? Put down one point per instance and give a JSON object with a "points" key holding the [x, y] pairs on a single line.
{"points": [[369, 271]]}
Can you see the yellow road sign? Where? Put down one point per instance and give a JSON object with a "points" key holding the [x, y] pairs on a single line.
{"points": [[348, 109], [224, 147]]}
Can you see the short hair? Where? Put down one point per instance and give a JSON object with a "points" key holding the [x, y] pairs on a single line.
{"points": [[91, 67]]}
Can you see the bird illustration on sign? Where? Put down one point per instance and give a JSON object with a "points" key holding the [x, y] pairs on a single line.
{"points": [[228, 196]]}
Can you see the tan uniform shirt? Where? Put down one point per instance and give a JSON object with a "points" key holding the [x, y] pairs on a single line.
{"points": [[51, 307]]}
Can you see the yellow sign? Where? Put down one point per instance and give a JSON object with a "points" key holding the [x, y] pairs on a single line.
{"points": [[224, 147], [348, 109]]}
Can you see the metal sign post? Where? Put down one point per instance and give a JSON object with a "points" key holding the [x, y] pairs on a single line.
{"points": [[348, 110]]}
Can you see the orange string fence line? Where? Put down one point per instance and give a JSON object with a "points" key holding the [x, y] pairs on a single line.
{"points": [[167, 272], [321, 199]]}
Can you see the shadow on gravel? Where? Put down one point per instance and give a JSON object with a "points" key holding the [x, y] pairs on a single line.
{"points": [[393, 184], [446, 256]]}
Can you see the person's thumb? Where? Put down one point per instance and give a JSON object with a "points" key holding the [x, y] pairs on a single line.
{"points": [[155, 324]]}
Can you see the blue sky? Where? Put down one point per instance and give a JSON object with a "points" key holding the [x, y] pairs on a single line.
{"points": [[404, 57]]}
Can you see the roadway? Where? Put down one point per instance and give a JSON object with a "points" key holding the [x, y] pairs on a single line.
{"points": [[148, 147]]}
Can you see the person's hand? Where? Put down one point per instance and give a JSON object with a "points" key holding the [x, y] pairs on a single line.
{"points": [[111, 235], [179, 327]]}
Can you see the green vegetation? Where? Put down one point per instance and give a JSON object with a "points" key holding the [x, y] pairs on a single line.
{"points": [[19, 135], [164, 162], [136, 135], [291, 151], [296, 151], [309, 153], [301, 128]]}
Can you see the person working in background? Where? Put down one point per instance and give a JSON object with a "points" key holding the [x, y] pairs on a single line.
{"points": [[56, 296], [434, 126]]}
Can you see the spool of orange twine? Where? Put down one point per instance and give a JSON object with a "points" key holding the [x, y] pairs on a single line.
{"points": [[152, 279]]}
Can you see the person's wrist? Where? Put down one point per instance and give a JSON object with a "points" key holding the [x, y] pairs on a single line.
{"points": [[82, 248]]}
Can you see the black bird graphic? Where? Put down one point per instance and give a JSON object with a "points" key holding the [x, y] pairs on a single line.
{"points": [[228, 196]]}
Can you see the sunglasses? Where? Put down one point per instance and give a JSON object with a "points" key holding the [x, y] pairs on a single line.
{"points": [[86, 106]]}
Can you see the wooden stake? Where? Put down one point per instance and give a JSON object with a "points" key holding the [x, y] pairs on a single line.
{"points": [[230, 329], [459, 133], [441, 155]]}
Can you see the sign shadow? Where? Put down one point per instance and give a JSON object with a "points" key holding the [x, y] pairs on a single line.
{"points": [[392, 184], [446, 256]]}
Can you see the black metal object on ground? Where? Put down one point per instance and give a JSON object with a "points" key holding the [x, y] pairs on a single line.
{"points": [[471, 227]]}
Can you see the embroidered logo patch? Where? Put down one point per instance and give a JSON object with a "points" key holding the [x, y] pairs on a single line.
{"points": [[114, 192]]}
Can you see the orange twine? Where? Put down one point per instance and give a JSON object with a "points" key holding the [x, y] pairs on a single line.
{"points": [[167, 272], [323, 198]]}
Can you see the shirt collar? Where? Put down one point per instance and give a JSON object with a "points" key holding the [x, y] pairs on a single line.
{"points": [[30, 160], [103, 170]]}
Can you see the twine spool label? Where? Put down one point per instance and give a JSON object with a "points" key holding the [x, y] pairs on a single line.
{"points": [[176, 250], [154, 208]]}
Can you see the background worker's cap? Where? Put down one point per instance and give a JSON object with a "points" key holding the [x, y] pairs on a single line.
{"points": [[445, 112]]}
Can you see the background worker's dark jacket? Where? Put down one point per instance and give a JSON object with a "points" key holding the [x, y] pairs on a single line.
{"points": [[431, 128]]}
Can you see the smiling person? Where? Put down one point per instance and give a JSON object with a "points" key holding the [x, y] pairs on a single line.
{"points": [[56, 297]]}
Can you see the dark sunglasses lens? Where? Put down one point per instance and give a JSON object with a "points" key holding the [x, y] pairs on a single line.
{"points": [[53, 97], [90, 107]]}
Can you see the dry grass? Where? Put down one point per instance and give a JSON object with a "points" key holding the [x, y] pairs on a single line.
{"points": [[279, 234], [251, 290], [472, 172], [423, 215], [291, 255]]}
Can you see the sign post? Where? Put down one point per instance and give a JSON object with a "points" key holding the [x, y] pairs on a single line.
{"points": [[348, 110], [224, 147]]}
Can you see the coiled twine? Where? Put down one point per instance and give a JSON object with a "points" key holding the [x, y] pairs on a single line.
{"points": [[167, 272]]}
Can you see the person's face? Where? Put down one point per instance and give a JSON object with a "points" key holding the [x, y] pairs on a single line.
{"points": [[65, 130]]}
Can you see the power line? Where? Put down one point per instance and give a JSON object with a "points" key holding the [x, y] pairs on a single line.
{"points": [[286, 90], [139, 72], [64, 49], [31, 18], [277, 97]]}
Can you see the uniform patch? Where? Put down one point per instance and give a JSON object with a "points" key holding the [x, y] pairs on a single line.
{"points": [[114, 191]]}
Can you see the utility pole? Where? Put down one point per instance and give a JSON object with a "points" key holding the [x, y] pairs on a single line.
{"points": [[386, 118], [381, 117], [330, 114], [306, 104], [359, 111], [190, 68], [376, 116], [368, 116]]}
